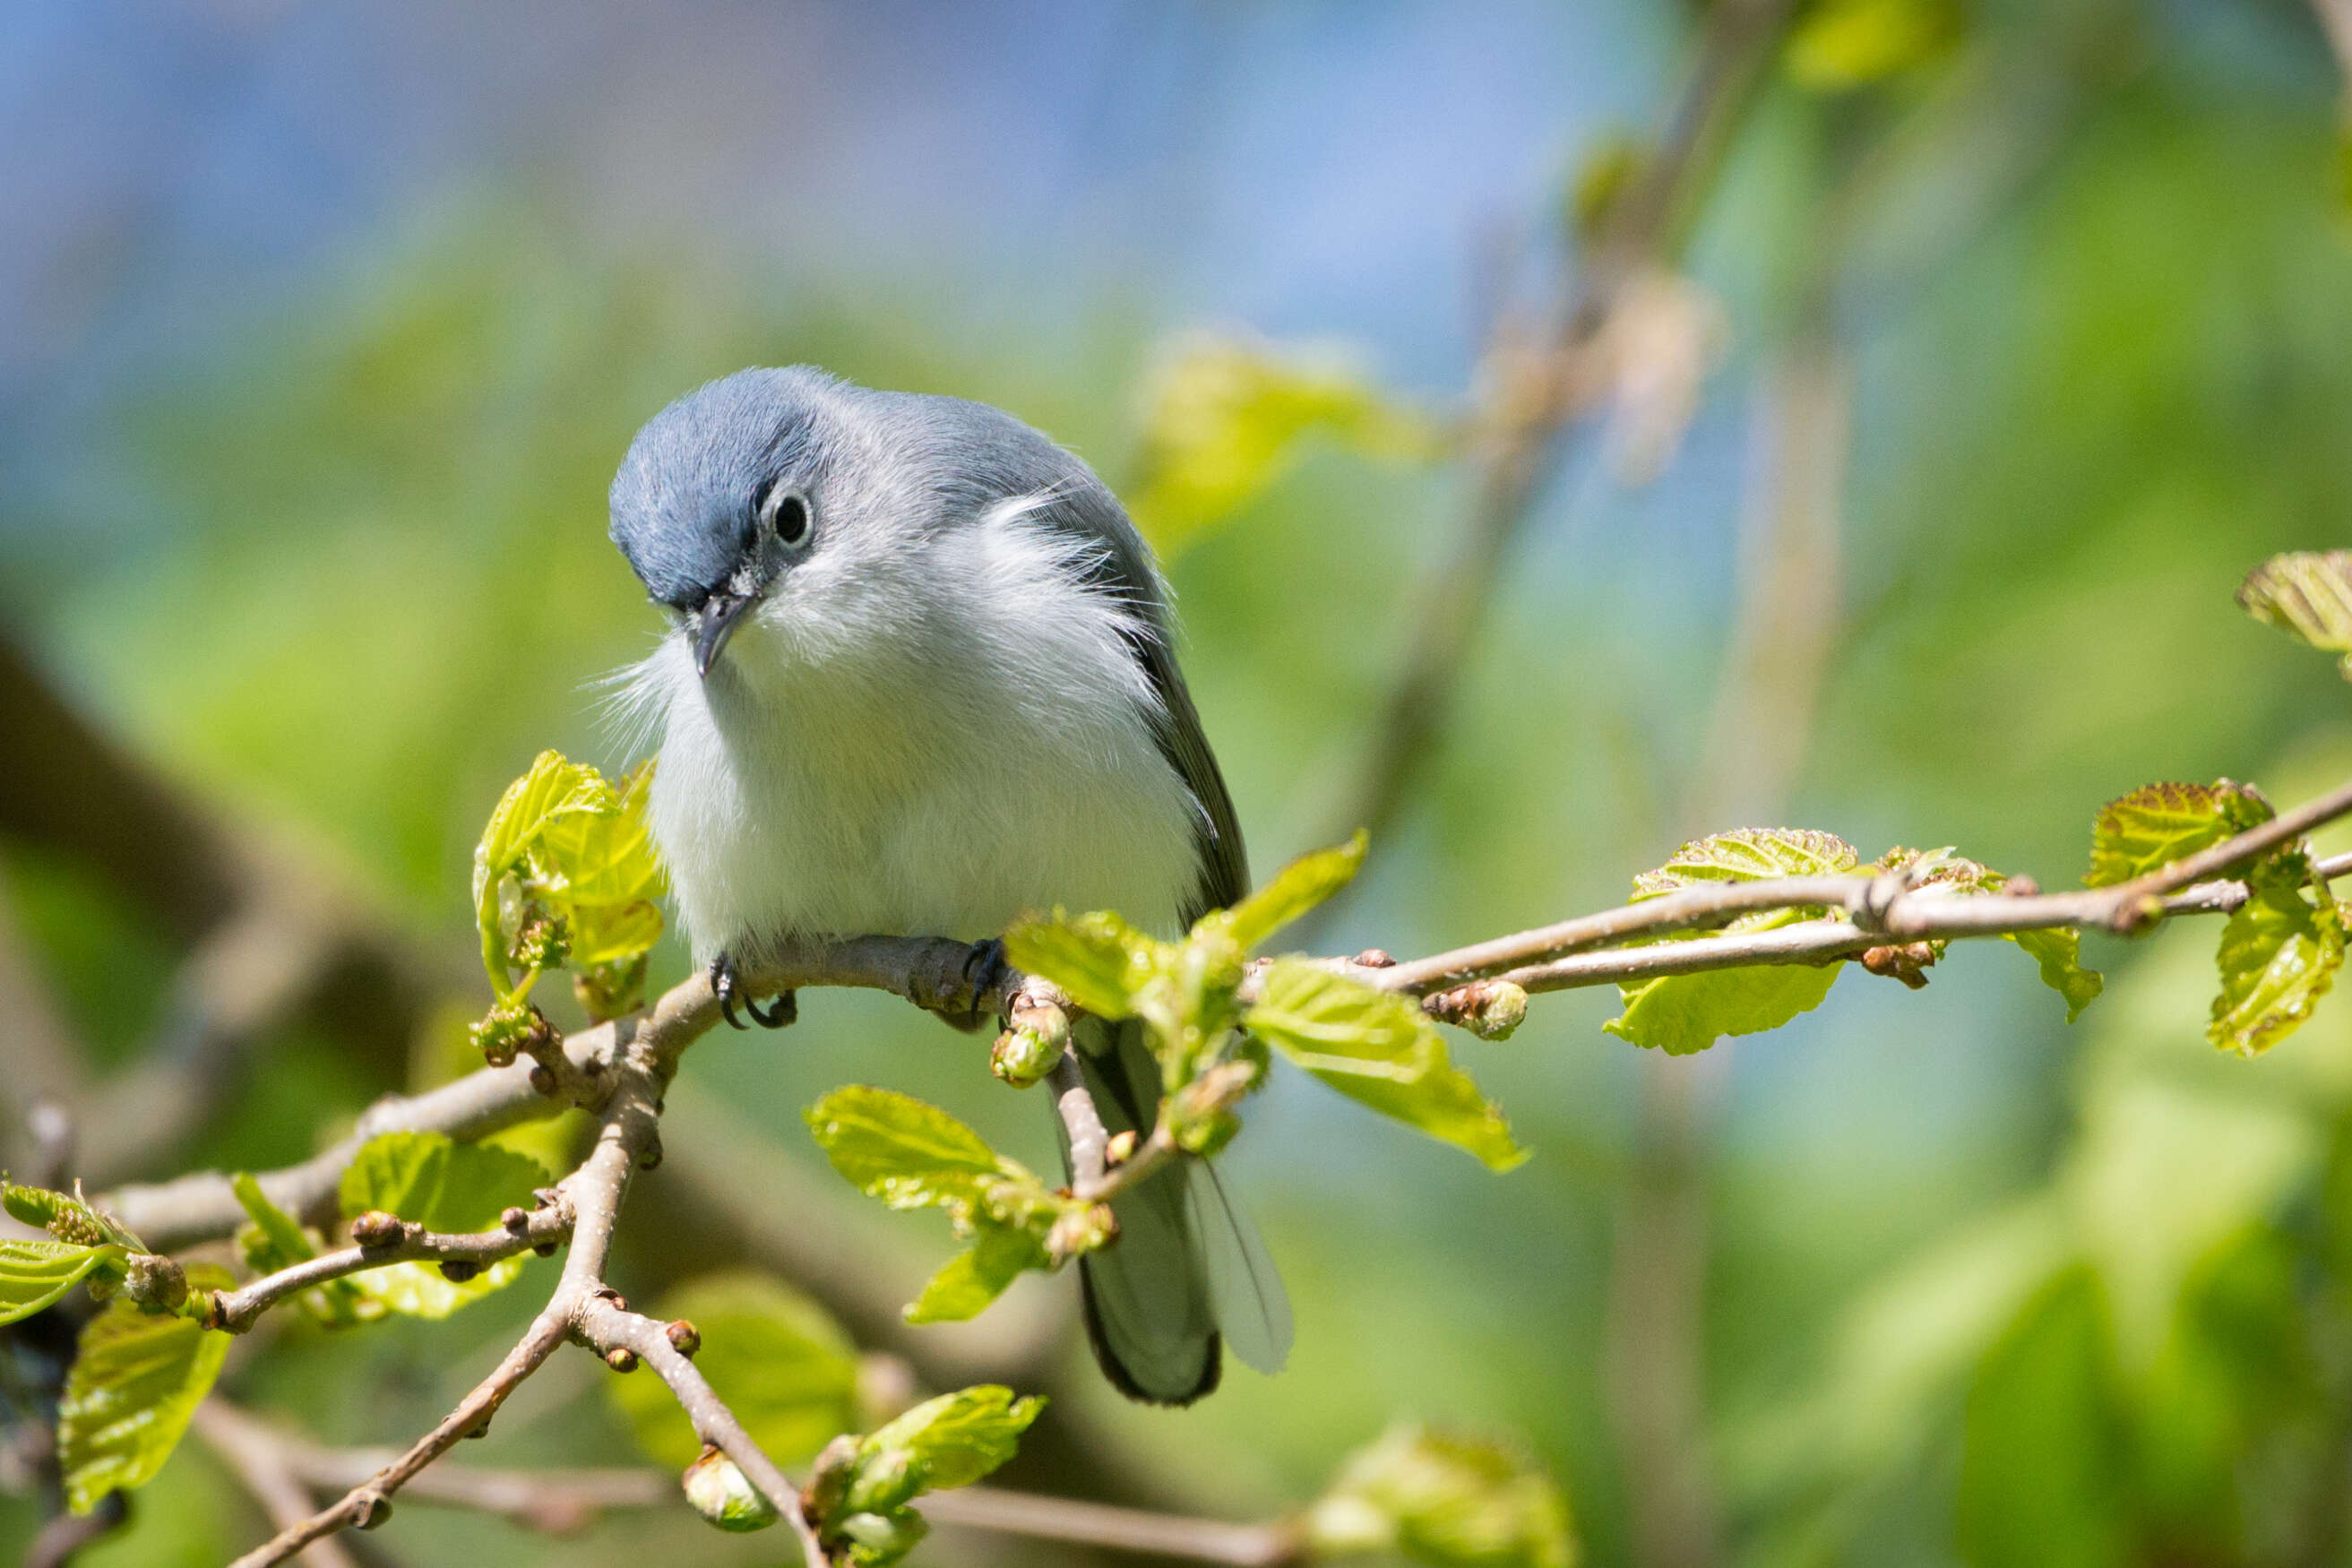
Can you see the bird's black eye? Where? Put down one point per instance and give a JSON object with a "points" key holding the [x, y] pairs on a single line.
{"points": [[784, 512]]}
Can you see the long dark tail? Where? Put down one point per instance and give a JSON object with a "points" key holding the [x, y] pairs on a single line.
{"points": [[1188, 1270], [1147, 1295]]}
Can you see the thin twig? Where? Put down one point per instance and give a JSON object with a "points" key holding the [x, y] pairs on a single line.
{"points": [[608, 1327], [235, 1310]]}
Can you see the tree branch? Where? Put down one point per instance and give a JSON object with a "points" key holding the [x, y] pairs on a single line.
{"points": [[235, 1310], [1118, 1529]]}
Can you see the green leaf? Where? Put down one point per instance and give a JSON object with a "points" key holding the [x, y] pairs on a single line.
{"points": [[1747, 854], [135, 1382], [977, 1275], [33, 1274], [1295, 890], [1441, 1499], [1098, 960], [912, 1155], [943, 1443], [2159, 823], [444, 1185], [2308, 595], [1380, 1049], [1680, 1014], [897, 1148], [276, 1240], [1227, 417], [781, 1363], [2059, 953], [598, 873], [2279, 954], [73, 1219], [1844, 44]]}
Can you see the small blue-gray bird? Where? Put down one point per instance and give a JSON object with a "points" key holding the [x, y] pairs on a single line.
{"points": [[920, 680]]}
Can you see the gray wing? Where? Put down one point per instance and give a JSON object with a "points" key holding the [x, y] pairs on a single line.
{"points": [[1124, 568]]}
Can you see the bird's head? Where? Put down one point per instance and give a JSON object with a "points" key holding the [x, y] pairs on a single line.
{"points": [[723, 493]]}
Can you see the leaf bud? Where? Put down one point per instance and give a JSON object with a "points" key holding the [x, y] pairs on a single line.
{"points": [[722, 1494], [514, 1220], [1120, 1149], [884, 1538], [1080, 1230], [377, 1228], [1205, 1135], [621, 1358], [1490, 1009], [683, 1337], [457, 1270], [155, 1282], [1022, 1055]]}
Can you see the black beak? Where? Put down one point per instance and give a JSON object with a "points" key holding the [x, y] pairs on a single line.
{"points": [[721, 612]]}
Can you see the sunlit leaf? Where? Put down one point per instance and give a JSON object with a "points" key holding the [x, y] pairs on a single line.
{"points": [[2058, 951], [782, 1364], [2279, 955], [2308, 595], [1382, 1049], [1435, 1498], [444, 1185], [912, 1155], [2159, 823], [135, 1382], [1228, 417], [1098, 960], [1680, 1014], [951, 1441], [1747, 854], [1294, 891], [978, 1275], [33, 1274], [68, 1218]]}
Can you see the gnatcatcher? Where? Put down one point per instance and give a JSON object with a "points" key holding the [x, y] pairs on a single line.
{"points": [[920, 680]]}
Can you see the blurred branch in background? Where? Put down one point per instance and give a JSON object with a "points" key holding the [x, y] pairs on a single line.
{"points": [[1538, 384], [2336, 20], [272, 935]]}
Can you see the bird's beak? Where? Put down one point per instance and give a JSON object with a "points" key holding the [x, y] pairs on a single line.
{"points": [[720, 613]]}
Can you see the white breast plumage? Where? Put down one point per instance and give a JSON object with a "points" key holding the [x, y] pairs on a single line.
{"points": [[871, 757]]}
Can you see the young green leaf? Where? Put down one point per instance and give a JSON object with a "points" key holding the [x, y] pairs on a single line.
{"points": [[2279, 955], [1378, 1048], [73, 1219], [2059, 953], [1680, 1014], [781, 1363], [1227, 417], [1098, 960], [1294, 891], [33, 1274], [978, 1275], [2308, 595], [897, 1148], [941, 1444], [444, 1185], [1459, 1502], [2159, 823], [598, 873], [135, 1382], [1747, 854], [913, 1156]]}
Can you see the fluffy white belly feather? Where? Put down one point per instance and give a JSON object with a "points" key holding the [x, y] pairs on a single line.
{"points": [[865, 758]]}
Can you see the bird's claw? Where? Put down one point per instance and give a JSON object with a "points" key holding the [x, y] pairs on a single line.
{"points": [[984, 969], [728, 986]]}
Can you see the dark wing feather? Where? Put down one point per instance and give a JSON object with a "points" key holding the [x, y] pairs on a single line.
{"points": [[1124, 568]]}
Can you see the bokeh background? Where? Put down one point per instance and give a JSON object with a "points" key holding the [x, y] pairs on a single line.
{"points": [[1993, 342]]}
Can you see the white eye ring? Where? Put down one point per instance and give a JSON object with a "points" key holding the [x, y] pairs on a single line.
{"points": [[784, 512]]}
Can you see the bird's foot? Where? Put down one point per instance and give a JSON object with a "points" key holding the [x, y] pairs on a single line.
{"points": [[727, 985], [985, 969]]}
